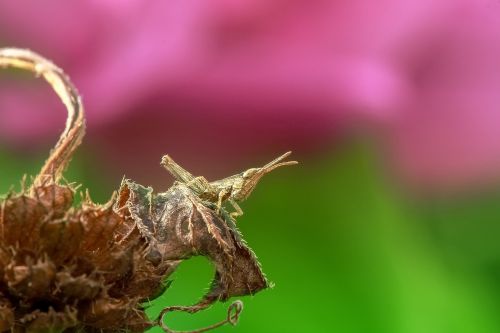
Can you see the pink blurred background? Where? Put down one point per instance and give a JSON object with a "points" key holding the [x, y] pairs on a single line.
{"points": [[214, 83]]}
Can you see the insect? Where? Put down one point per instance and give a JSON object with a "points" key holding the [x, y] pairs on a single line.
{"points": [[233, 189]]}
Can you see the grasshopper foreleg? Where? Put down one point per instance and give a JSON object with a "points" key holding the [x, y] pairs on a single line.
{"points": [[237, 207]]}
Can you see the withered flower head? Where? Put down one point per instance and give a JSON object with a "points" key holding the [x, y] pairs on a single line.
{"points": [[89, 268]]}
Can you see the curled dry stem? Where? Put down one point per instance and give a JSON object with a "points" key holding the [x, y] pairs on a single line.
{"points": [[74, 131], [233, 314]]}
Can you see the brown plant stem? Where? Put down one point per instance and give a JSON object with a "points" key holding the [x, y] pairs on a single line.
{"points": [[232, 318], [74, 131]]}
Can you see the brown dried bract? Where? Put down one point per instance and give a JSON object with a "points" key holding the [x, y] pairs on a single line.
{"points": [[89, 268], [179, 225]]}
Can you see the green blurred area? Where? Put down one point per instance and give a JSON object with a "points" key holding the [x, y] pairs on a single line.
{"points": [[346, 251]]}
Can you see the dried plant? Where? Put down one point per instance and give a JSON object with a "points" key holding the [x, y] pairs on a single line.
{"points": [[88, 268]]}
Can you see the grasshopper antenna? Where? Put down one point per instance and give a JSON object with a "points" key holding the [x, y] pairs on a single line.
{"points": [[276, 163]]}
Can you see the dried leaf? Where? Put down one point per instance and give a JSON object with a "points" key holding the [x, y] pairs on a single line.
{"points": [[178, 225]]}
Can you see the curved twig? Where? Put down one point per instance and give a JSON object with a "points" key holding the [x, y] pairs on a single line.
{"points": [[233, 314], [74, 131]]}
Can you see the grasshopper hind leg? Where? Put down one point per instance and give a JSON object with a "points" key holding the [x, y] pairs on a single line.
{"points": [[199, 185]]}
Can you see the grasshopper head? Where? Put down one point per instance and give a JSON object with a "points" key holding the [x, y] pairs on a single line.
{"points": [[248, 179]]}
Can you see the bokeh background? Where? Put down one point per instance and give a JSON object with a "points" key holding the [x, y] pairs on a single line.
{"points": [[391, 223]]}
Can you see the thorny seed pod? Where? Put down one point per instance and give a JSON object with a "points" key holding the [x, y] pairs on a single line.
{"points": [[89, 268]]}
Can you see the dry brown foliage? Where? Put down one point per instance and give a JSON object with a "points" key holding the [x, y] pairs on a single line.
{"points": [[88, 268]]}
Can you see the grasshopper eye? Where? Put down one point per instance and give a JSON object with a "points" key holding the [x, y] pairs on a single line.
{"points": [[250, 172]]}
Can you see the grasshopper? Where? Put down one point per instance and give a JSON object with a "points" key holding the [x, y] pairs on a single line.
{"points": [[233, 189]]}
